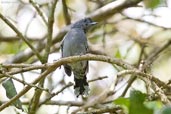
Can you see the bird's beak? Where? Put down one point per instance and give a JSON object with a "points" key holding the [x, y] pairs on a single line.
{"points": [[94, 23]]}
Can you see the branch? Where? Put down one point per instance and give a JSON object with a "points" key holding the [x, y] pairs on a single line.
{"points": [[21, 65], [156, 82], [66, 14], [28, 67], [98, 15], [144, 21], [62, 61], [21, 81], [56, 93], [16, 39], [108, 109], [139, 73], [35, 100], [112, 8], [150, 59], [20, 35], [70, 103], [58, 102], [66, 86], [107, 59], [50, 31], [153, 56], [164, 98], [97, 100], [38, 11]]}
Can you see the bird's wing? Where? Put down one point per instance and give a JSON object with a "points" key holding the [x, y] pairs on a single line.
{"points": [[87, 51], [87, 67], [61, 46], [67, 68]]}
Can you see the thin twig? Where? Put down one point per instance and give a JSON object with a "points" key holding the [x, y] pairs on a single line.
{"points": [[16, 38], [108, 109], [98, 15], [147, 62], [37, 8], [66, 14], [108, 59], [139, 73], [50, 31], [113, 7], [22, 65], [35, 100], [56, 93], [164, 98], [66, 86], [20, 35], [155, 81], [62, 61], [99, 99], [154, 54], [23, 82], [144, 21]]}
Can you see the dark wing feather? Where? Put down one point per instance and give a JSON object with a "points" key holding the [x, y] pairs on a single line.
{"points": [[87, 51], [66, 67]]}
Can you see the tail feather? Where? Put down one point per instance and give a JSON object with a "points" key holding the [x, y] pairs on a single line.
{"points": [[81, 86]]}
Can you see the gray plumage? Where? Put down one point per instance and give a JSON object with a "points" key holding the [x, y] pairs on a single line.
{"points": [[75, 43]]}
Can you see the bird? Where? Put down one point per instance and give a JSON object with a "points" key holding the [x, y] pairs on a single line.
{"points": [[75, 43]]}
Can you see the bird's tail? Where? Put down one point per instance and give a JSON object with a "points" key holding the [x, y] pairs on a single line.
{"points": [[81, 86]]}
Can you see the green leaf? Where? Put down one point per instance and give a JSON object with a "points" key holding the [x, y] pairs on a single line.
{"points": [[118, 54], [12, 47], [166, 110], [137, 103], [137, 97], [152, 3], [122, 101], [11, 92], [155, 105]]}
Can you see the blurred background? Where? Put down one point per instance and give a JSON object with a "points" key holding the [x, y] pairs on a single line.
{"points": [[131, 34]]}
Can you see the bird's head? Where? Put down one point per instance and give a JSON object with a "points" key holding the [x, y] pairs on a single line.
{"points": [[84, 24]]}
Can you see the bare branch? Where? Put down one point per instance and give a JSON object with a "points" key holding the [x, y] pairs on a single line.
{"points": [[66, 14], [50, 31], [66, 86], [16, 38], [155, 81], [112, 8], [20, 35], [147, 62], [147, 22], [21, 81], [35, 100], [98, 15], [39, 11], [62, 61], [107, 109]]}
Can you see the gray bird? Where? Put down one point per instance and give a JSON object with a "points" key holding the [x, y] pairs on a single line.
{"points": [[75, 43]]}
